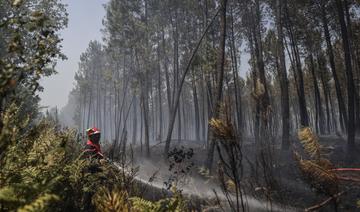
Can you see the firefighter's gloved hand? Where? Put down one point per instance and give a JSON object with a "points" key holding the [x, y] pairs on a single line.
{"points": [[102, 161]]}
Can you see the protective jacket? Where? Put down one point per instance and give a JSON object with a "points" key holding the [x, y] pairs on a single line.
{"points": [[92, 150]]}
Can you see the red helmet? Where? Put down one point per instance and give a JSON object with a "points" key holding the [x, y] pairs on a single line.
{"points": [[92, 131]]}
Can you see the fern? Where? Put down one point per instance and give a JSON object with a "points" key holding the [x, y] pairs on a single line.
{"points": [[40, 204], [141, 205], [310, 142], [222, 130], [318, 171], [42, 170], [111, 201], [8, 195], [173, 204], [259, 89]]}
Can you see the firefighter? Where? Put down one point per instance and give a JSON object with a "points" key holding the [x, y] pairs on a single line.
{"points": [[92, 147]]}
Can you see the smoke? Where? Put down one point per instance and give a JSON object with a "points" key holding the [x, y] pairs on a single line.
{"points": [[194, 187]]}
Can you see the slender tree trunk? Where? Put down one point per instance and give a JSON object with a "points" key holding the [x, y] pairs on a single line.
{"points": [[319, 122], [284, 84], [141, 125], [145, 107], [110, 117], [104, 114], [264, 98], [178, 93], [220, 77], [356, 65], [196, 108], [325, 89], [341, 102], [349, 75], [237, 93], [134, 130], [89, 110], [160, 103]]}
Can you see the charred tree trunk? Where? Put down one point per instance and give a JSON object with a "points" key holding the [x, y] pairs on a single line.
{"points": [[330, 52], [220, 79], [145, 110], [326, 91], [237, 92], [319, 120], [304, 119], [349, 75], [284, 84]]}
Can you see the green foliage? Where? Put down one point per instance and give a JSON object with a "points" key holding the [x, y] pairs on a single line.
{"points": [[40, 204], [33, 166], [173, 204], [115, 200], [42, 170], [31, 44]]}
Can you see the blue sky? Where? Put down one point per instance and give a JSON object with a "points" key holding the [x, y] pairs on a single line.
{"points": [[85, 23]]}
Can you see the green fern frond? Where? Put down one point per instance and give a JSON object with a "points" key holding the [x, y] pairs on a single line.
{"points": [[106, 201], [40, 204], [141, 205], [8, 195]]}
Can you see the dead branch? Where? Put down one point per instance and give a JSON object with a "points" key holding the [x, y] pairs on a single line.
{"points": [[325, 202], [346, 169], [349, 179]]}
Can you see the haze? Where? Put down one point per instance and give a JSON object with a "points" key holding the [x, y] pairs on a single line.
{"points": [[85, 23]]}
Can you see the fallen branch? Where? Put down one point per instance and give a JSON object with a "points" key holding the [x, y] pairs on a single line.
{"points": [[349, 179], [325, 202], [346, 169]]}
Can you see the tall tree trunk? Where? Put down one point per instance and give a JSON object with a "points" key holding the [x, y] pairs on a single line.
{"points": [[134, 130], [349, 75], [304, 119], [330, 52], [89, 110], [141, 125], [220, 79], [160, 101], [264, 99], [326, 91], [104, 113], [176, 99], [236, 78], [318, 106], [356, 65], [284, 84], [196, 108], [145, 108]]}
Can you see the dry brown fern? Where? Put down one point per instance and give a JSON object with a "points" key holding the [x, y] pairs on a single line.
{"points": [[310, 142], [222, 129], [317, 171], [259, 89]]}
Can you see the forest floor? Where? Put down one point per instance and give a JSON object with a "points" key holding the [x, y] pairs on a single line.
{"points": [[289, 193]]}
